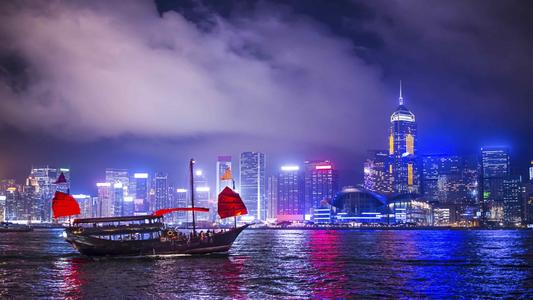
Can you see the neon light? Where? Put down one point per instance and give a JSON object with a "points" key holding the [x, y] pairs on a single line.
{"points": [[181, 191], [198, 173], [11, 189], [103, 184], [140, 175], [290, 168], [128, 199], [117, 185], [64, 170], [202, 189], [81, 196], [325, 167]]}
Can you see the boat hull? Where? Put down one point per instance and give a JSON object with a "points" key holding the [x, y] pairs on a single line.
{"points": [[92, 246]]}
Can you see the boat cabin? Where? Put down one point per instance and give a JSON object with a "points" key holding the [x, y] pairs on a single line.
{"points": [[120, 228]]}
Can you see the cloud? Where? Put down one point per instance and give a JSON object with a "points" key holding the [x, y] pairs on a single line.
{"points": [[112, 68]]}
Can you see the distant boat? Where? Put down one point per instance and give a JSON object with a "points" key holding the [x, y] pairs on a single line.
{"points": [[11, 227], [148, 235]]}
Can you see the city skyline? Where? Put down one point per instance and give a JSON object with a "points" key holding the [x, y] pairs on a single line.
{"points": [[480, 104]]}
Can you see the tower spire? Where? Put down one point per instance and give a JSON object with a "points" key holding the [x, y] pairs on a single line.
{"points": [[401, 97]]}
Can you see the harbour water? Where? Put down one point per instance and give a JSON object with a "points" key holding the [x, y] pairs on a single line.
{"points": [[283, 263]]}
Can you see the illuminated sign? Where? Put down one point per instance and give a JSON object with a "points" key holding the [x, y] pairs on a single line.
{"points": [[64, 170], [290, 168], [103, 184], [324, 167], [202, 189], [181, 191], [140, 175], [81, 196], [117, 185]]}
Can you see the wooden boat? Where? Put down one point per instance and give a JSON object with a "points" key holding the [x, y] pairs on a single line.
{"points": [[148, 235]]}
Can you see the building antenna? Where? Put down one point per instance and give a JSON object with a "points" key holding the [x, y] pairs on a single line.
{"points": [[401, 97]]}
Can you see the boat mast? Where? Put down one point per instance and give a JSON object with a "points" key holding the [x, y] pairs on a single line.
{"points": [[234, 217], [191, 166]]}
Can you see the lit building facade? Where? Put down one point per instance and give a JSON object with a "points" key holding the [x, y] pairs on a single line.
{"points": [[272, 197], [291, 206], [513, 201], [104, 205], [357, 205], [403, 150], [180, 200], [377, 172], [86, 204], [252, 181], [223, 165], [45, 178], [202, 196], [141, 202], [406, 209], [162, 197], [495, 168], [321, 184]]}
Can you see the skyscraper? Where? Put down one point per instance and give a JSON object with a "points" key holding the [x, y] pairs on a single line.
{"points": [[531, 171], [252, 183], [141, 202], [161, 191], [377, 176], [495, 168], [180, 200], [104, 205], [291, 194], [272, 197], [117, 198], [223, 165], [403, 149], [202, 196], [321, 184], [513, 200], [86, 205], [45, 178]]}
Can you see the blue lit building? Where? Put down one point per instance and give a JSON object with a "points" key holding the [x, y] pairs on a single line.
{"points": [[495, 168], [377, 175], [407, 209], [402, 150], [358, 205], [321, 184], [253, 184], [290, 194]]}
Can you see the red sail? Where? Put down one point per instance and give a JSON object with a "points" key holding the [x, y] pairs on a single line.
{"points": [[230, 204], [165, 211], [64, 205]]}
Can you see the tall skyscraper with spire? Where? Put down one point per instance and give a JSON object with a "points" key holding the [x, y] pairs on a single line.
{"points": [[403, 150]]}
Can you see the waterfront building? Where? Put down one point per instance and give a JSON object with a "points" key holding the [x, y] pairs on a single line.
{"points": [[357, 205], [142, 188], [495, 168], [528, 203], [2, 207], [451, 180], [531, 171], [104, 205], [445, 214], [161, 191], [117, 198], [403, 150], [128, 206], [252, 184], [14, 203], [202, 196], [46, 178], [272, 197], [181, 200], [407, 209], [513, 200], [86, 205], [376, 171], [322, 215], [321, 184], [290, 194], [223, 167]]}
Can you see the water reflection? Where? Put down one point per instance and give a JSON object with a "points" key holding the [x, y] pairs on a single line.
{"points": [[284, 264]]}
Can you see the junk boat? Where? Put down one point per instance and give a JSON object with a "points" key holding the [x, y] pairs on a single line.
{"points": [[10, 227], [148, 235]]}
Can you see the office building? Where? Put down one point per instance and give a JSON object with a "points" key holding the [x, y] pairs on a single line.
{"points": [[253, 184], [403, 150], [202, 196], [291, 206], [377, 175], [162, 199], [495, 168], [272, 197], [46, 178], [223, 170], [513, 201], [321, 184], [142, 188], [86, 205], [104, 205]]}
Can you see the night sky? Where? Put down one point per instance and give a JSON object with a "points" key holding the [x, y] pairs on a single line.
{"points": [[146, 85]]}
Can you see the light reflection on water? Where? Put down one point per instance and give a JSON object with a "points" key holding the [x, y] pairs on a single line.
{"points": [[282, 263]]}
